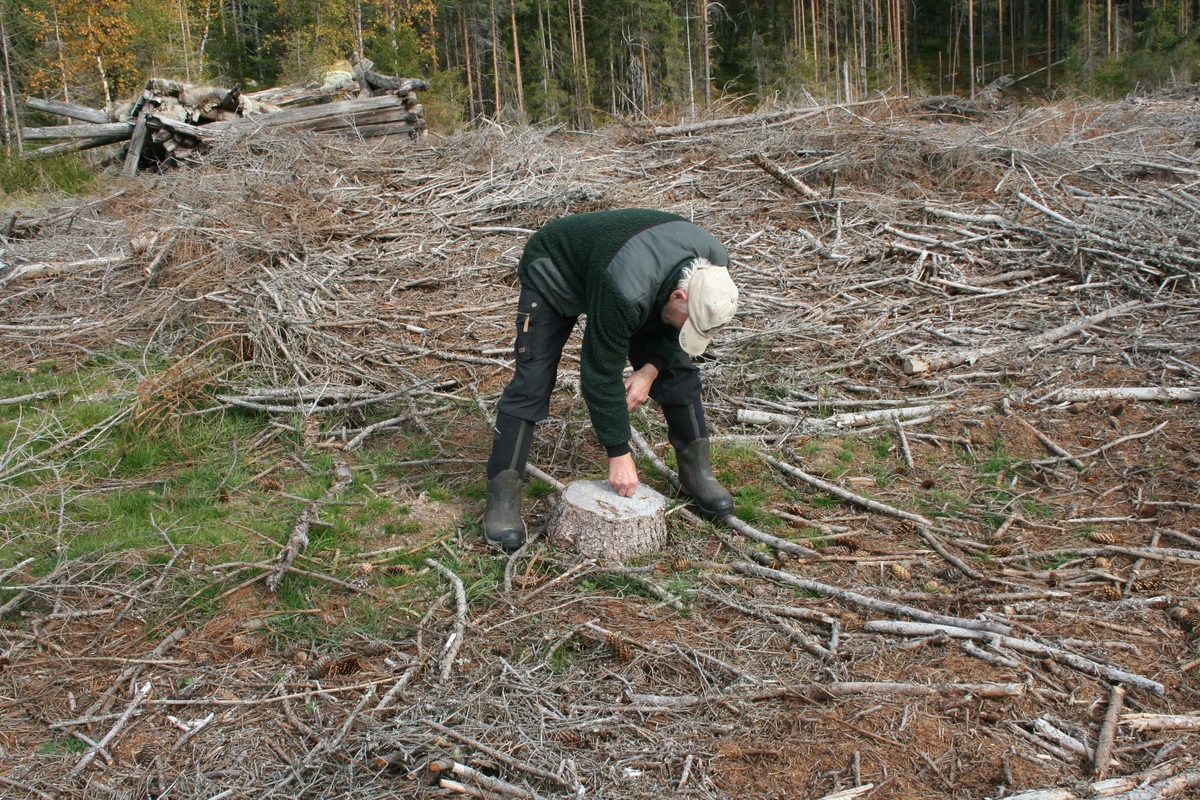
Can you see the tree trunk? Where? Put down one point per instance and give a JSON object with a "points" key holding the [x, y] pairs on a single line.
{"points": [[495, 62], [971, 43], [462, 15], [183, 36], [587, 78], [1049, 40], [512, 10], [704, 43], [62, 66]]}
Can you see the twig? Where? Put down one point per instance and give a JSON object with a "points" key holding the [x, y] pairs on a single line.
{"points": [[496, 754], [837, 491], [460, 618], [984, 628], [903, 439], [87, 758], [483, 781], [1104, 744], [299, 538]]}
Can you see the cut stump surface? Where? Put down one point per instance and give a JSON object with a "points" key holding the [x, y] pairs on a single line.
{"points": [[599, 523]]}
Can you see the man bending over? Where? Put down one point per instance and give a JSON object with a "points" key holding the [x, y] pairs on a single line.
{"points": [[654, 287]]}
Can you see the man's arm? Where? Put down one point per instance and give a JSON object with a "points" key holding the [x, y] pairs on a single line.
{"points": [[605, 351]]}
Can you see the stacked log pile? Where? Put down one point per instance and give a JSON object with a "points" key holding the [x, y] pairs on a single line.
{"points": [[174, 123]]}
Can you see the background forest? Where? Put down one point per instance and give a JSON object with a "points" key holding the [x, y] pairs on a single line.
{"points": [[579, 60]]}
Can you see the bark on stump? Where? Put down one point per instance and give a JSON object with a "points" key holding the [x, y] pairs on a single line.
{"points": [[599, 523]]}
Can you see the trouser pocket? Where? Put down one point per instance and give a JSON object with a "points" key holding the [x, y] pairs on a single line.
{"points": [[525, 345]]}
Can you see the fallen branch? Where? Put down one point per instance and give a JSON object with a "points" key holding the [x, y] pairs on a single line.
{"points": [[744, 528], [817, 426], [982, 627], [1108, 729], [911, 365], [817, 692], [483, 781], [1109, 788], [1161, 722], [460, 618], [308, 517], [1072, 660], [1051, 445], [837, 491], [499, 756], [1103, 448], [778, 173], [91, 754]]}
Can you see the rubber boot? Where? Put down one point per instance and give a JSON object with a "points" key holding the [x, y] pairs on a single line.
{"points": [[696, 475], [502, 523]]}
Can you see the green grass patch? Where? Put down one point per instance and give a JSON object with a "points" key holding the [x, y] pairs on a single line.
{"points": [[57, 174]]}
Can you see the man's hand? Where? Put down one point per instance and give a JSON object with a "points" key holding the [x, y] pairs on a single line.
{"points": [[637, 386], [622, 475]]}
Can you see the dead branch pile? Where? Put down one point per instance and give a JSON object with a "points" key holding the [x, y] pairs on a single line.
{"points": [[173, 123], [927, 634]]}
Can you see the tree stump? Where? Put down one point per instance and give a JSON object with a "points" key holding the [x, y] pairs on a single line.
{"points": [[596, 521]]}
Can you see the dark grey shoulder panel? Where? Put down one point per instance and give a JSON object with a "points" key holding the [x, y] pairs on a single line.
{"points": [[647, 259], [548, 281]]}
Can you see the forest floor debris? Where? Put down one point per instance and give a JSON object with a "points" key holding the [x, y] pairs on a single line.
{"points": [[958, 398]]}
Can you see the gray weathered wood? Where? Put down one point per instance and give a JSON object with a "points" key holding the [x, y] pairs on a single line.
{"points": [[73, 145], [301, 117], [599, 523], [122, 129], [71, 110], [134, 154]]}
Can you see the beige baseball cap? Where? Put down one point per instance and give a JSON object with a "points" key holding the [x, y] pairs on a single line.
{"points": [[712, 302]]}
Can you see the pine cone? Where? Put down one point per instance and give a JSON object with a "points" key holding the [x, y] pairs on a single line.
{"points": [[1100, 562], [567, 737], [835, 550], [1109, 592], [1151, 583], [347, 666], [320, 667], [681, 564], [619, 648], [900, 572], [852, 544], [243, 645], [1102, 537], [1000, 549], [904, 527], [146, 755], [376, 649], [947, 574], [398, 569], [933, 587], [271, 485]]}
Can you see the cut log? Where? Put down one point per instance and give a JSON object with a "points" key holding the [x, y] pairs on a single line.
{"points": [[134, 154], [1160, 394], [121, 129], [74, 145], [599, 523], [71, 110]]}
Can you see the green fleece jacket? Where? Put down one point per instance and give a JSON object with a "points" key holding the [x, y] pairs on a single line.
{"points": [[619, 268]]}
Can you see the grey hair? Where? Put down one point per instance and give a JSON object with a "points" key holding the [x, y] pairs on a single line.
{"points": [[685, 280]]}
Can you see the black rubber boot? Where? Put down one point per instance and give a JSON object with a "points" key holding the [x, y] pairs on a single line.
{"points": [[696, 475], [505, 471], [502, 523]]}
